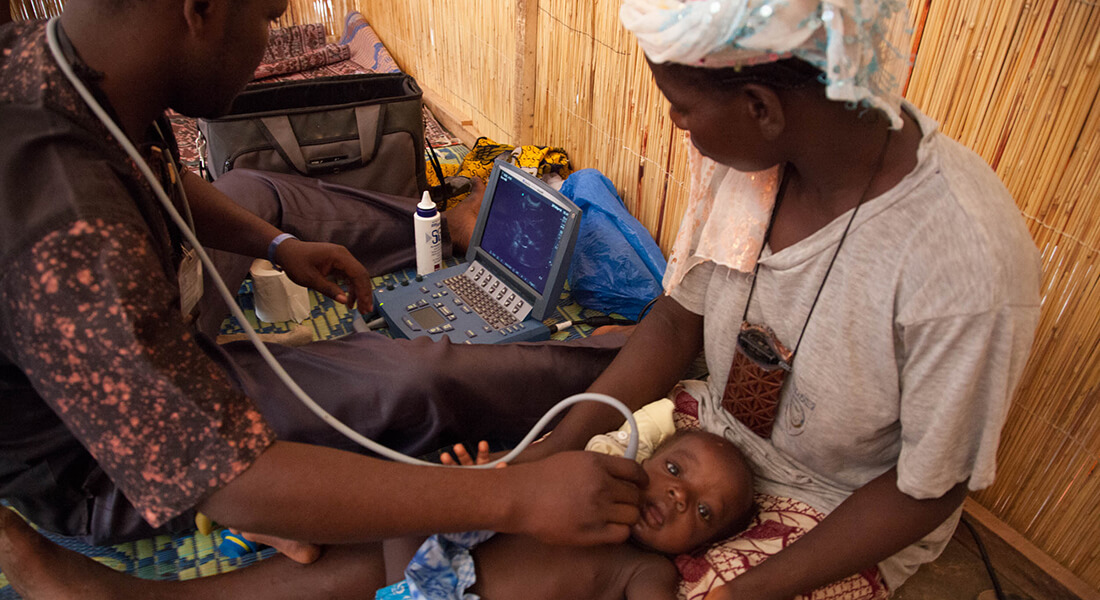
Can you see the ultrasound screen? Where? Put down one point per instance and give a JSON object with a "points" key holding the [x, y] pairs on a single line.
{"points": [[523, 230]]}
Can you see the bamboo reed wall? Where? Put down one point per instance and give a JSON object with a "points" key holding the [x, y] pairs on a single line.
{"points": [[1016, 80]]}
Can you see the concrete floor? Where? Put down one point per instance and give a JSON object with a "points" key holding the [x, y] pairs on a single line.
{"points": [[958, 574]]}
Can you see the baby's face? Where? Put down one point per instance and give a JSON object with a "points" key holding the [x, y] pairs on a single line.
{"points": [[692, 496]]}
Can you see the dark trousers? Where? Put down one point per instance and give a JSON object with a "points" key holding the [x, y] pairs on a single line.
{"points": [[376, 228]]}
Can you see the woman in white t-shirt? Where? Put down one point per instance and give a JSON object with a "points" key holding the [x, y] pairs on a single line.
{"points": [[864, 288]]}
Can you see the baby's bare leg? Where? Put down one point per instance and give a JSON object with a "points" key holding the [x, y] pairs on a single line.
{"points": [[40, 569], [398, 553]]}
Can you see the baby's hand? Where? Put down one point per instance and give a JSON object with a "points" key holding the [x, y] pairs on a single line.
{"points": [[462, 457]]}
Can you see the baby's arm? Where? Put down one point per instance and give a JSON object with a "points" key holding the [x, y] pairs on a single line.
{"points": [[654, 578], [462, 458]]}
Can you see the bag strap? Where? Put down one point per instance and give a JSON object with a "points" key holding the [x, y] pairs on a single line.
{"points": [[369, 121], [280, 134]]}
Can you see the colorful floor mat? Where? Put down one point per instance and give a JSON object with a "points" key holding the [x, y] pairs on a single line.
{"points": [[196, 555]]}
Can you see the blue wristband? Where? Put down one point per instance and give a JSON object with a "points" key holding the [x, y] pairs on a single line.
{"points": [[282, 237]]}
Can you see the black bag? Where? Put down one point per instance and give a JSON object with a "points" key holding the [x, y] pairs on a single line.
{"points": [[363, 131]]}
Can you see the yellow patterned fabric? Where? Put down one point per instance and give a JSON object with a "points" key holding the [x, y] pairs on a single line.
{"points": [[545, 162]]}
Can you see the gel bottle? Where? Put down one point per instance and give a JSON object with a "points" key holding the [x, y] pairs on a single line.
{"points": [[429, 238]]}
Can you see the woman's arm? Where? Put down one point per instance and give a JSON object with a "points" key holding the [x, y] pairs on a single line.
{"points": [[874, 523], [653, 360]]}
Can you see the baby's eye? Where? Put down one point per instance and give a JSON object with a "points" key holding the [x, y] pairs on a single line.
{"points": [[672, 468], [704, 512]]}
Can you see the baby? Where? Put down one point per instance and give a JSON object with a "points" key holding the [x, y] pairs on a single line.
{"points": [[700, 491]]}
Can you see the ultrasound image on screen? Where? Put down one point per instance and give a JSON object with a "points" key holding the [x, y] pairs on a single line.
{"points": [[523, 230]]}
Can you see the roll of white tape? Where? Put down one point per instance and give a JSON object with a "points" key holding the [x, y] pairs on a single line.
{"points": [[275, 296]]}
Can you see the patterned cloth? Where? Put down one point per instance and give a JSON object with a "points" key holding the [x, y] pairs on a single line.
{"points": [[725, 220], [443, 569], [298, 48], [778, 523], [367, 50], [844, 39]]}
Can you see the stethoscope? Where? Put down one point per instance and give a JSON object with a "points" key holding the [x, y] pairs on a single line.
{"points": [[187, 230]]}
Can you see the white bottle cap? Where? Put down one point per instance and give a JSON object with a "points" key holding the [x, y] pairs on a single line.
{"points": [[426, 208]]}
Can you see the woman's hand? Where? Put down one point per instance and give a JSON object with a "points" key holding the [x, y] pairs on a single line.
{"points": [[311, 264]]}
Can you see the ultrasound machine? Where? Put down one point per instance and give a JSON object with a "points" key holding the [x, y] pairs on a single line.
{"points": [[515, 268]]}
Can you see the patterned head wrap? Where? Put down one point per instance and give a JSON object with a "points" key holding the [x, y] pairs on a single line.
{"points": [[845, 39]]}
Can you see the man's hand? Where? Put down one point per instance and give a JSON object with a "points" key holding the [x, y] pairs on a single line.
{"points": [[577, 498], [310, 264]]}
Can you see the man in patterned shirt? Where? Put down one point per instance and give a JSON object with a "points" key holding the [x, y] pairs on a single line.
{"points": [[114, 409]]}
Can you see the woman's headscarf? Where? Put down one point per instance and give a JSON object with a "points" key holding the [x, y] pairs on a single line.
{"points": [[728, 211], [845, 39]]}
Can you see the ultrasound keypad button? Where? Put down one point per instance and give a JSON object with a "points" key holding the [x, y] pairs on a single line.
{"points": [[410, 307], [470, 333], [519, 304], [444, 293], [466, 309], [446, 311], [448, 327], [458, 302], [439, 305], [487, 328], [468, 342], [424, 289], [413, 325], [421, 302], [435, 330]]}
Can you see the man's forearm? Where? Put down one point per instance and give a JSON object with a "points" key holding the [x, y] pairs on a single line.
{"points": [[222, 223], [328, 496], [874, 523], [321, 495]]}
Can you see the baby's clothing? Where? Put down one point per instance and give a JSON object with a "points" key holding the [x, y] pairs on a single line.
{"points": [[443, 569], [655, 424]]}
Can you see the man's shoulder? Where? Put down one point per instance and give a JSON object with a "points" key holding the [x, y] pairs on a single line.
{"points": [[23, 72], [53, 171]]}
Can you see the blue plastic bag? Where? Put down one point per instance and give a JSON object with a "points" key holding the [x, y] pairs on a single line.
{"points": [[616, 267]]}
